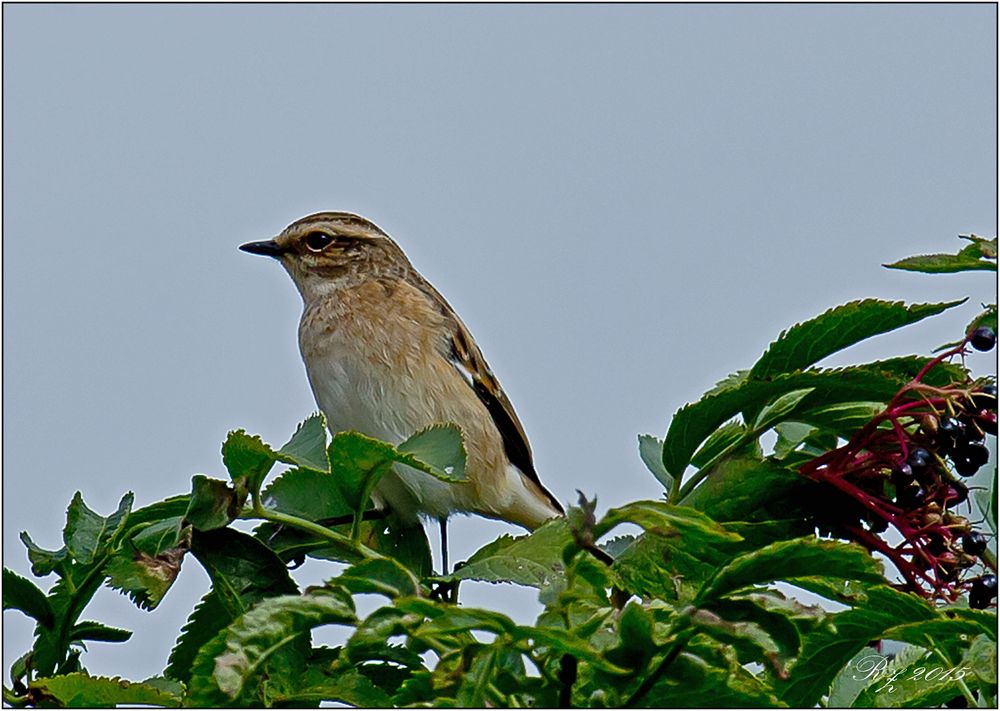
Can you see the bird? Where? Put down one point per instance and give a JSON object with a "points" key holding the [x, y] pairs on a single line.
{"points": [[386, 356]]}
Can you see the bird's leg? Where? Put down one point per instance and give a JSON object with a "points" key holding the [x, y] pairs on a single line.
{"points": [[443, 521]]}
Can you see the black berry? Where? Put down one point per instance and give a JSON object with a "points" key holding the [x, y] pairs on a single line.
{"points": [[974, 543], [951, 427], [977, 453], [985, 398], [983, 591], [983, 338], [918, 460]]}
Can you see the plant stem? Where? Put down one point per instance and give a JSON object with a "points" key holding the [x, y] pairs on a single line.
{"points": [[350, 549], [684, 633]]}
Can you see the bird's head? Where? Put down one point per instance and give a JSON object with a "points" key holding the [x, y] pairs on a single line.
{"points": [[326, 250]]}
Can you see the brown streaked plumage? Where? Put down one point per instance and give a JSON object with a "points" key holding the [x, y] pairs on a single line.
{"points": [[386, 355]]}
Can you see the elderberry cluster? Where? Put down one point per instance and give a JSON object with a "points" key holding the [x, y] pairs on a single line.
{"points": [[905, 469]]}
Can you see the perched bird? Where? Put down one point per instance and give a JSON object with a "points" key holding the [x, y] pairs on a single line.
{"points": [[387, 356]]}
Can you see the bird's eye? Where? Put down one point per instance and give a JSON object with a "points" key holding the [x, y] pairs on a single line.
{"points": [[318, 241]]}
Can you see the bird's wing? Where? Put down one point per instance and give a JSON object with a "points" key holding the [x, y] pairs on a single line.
{"points": [[466, 357]]}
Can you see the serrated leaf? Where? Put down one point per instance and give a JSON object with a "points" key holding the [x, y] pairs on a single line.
{"points": [[866, 669], [651, 453], [790, 436], [80, 690], [680, 550], [243, 570], [718, 442], [144, 578], [162, 535], [474, 688], [247, 456], [251, 641], [534, 559], [809, 342], [779, 409], [213, 503], [743, 488], [407, 544], [22, 594], [829, 647], [795, 558], [204, 623], [358, 462], [660, 517], [437, 450], [705, 671], [98, 632], [872, 381], [987, 318], [43, 561], [307, 447], [349, 687], [308, 494], [382, 576], [943, 264], [87, 532]]}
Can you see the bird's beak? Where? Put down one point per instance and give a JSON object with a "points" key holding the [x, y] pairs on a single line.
{"points": [[267, 248]]}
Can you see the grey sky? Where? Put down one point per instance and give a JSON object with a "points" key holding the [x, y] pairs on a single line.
{"points": [[624, 203]]}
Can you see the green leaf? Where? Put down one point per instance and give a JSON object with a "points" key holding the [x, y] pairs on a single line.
{"points": [[143, 577], [534, 560], [307, 447], [213, 503], [473, 692], [719, 442], [829, 647], [779, 409], [271, 625], [987, 318], [660, 517], [773, 619], [43, 561], [843, 418], [707, 673], [808, 343], [358, 462], [308, 494], [437, 450], [407, 544], [879, 380], [247, 456], [79, 690], [202, 689], [382, 576], [87, 532], [942, 263], [206, 621], [98, 632], [987, 503], [346, 687], [749, 489], [243, 570], [790, 559], [680, 550], [651, 453], [867, 669], [155, 538], [791, 435], [22, 594]]}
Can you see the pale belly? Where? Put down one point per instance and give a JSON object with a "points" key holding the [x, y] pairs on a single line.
{"points": [[389, 404]]}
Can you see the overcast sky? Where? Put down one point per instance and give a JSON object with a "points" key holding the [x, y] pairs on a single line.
{"points": [[624, 203]]}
